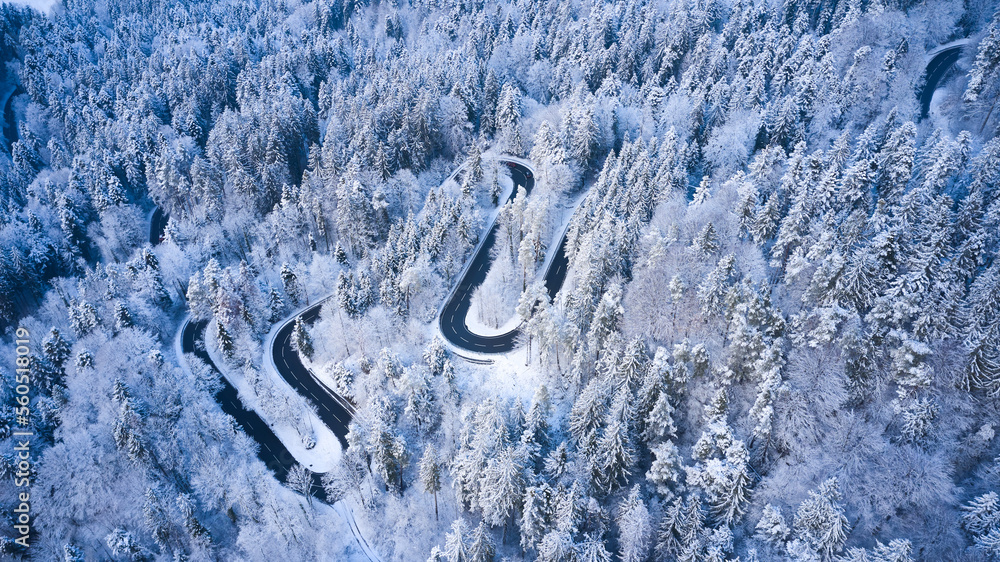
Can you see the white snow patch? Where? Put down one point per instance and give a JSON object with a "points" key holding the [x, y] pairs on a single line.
{"points": [[507, 377], [476, 326], [938, 113], [359, 528], [43, 6]]}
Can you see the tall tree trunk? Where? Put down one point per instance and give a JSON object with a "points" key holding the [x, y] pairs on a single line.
{"points": [[990, 112]]}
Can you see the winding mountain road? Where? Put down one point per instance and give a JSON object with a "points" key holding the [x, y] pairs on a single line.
{"points": [[272, 452], [937, 67], [333, 409], [10, 133], [452, 318], [157, 225]]}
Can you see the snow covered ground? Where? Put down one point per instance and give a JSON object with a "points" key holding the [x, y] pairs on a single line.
{"points": [[336, 521], [477, 326], [44, 6], [507, 377]]}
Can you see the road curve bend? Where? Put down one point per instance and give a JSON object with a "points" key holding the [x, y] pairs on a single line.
{"points": [[451, 321], [271, 451], [334, 410], [939, 65], [157, 225]]}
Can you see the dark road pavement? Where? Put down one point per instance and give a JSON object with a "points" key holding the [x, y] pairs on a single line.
{"points": [[452, 319], [157, 226], [936, 69], [10, 133], [333, 409], [270, 451]]}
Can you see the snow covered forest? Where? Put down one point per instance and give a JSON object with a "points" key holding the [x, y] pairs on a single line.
{"points": [[778, 337]]}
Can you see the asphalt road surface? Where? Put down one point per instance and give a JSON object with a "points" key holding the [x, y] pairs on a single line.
{"points": [[332, 408], [452, 319], [936, 69], [9, 123], [270, 449], [157, 225]]}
